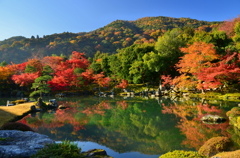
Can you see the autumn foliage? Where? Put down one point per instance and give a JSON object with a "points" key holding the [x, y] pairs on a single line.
{"points": [[123, 84], [191, 126], [222, 73], [63, 72]]}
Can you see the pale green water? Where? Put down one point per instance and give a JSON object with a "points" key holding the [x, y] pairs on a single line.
{"points": [[133, 127]]}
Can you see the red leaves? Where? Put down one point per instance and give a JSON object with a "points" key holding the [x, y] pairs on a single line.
{"points": [[52, 61], [198, 56], [123, 84], [228, 26], [58, 83], [190, 125], [167, 80], [64, 71], [220, 73], [25, 79], [101, 80]]}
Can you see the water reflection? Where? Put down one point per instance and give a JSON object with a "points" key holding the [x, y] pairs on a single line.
{"points": [[192, 127], [145, 126]]}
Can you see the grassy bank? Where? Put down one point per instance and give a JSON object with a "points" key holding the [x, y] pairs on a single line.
{"points": [[218, 96], [8, 113]]}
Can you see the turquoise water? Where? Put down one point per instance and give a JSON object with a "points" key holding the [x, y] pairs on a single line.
{"points": [[132, 127]]}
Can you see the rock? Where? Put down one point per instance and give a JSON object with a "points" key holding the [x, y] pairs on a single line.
{"points": [[95, 153], [213, 119], [39, 103], [215, 145], [53, 103], [60, 95], [9, 104], [26, 99], [62, 107], [21, 144]]}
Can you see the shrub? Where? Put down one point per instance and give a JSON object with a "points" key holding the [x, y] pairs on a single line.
{"points": [[182, 154], [66, 149], [234, 117], [215, 145], [230, 154], [234, 112]]}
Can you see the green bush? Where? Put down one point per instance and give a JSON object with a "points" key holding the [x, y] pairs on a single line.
{"points": [[66, 149], [182, 154]]}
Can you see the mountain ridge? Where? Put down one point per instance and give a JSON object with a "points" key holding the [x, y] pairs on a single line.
{"points": [[115, 35]]}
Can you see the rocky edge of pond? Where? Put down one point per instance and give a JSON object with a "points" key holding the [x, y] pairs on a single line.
{"points": [[23, 144]]}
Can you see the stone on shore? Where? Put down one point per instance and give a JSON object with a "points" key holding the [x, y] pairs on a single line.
{"points": [[21, 144], [213, 119]]}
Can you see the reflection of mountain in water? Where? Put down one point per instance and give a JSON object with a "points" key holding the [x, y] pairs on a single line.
{"points": [[122, 125]]}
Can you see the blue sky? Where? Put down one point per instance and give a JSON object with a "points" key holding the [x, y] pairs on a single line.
{"points": [[46, 17]]}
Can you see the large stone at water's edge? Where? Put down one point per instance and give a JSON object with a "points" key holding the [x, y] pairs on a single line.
{"points": [[21, 144], [213, 119]]}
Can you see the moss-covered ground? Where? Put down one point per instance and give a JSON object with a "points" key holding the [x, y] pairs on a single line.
{"points": [[8, 113]]}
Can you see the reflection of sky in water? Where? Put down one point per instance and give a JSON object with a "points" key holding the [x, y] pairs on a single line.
{"points": [[85, 146]]}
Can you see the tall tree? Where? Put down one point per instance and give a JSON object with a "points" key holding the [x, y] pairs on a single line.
{"points": [[226, 73], [197, 56], [41, 86]]}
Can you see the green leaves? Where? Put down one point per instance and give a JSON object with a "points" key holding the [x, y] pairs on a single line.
{"points": [[152, 61], [40, 85], [60, 150]]}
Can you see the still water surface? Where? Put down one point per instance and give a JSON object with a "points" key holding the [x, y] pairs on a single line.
{"points": [[132, 127]]}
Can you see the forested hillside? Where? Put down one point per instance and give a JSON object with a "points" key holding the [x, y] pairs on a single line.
{"points": [[122, 53], [116, 35]]}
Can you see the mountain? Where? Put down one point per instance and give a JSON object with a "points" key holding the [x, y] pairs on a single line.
{"points": [[116, 35]]}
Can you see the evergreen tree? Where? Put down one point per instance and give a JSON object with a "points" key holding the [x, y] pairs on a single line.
{"points": [[41, 86]]}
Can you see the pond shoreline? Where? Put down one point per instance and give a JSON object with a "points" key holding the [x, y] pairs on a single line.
{"points": [[131, 104], [11, 113]]}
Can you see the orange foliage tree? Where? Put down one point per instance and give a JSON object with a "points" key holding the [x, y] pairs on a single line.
{"points": [[123, 84], [5, 72], [197, 56]]}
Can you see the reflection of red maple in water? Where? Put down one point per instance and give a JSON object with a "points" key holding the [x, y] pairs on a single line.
{"points": [[195, 131], [97, 109], [123, 104], [67, 117], [61, 117]]}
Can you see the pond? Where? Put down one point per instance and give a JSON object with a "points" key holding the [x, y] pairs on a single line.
{"points": [[132, 127]]}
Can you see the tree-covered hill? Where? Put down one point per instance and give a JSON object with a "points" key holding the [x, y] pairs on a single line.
{"points": [[116, 35]]}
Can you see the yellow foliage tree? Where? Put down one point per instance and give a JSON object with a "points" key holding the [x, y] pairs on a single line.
{"points": [[5, 72]]}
